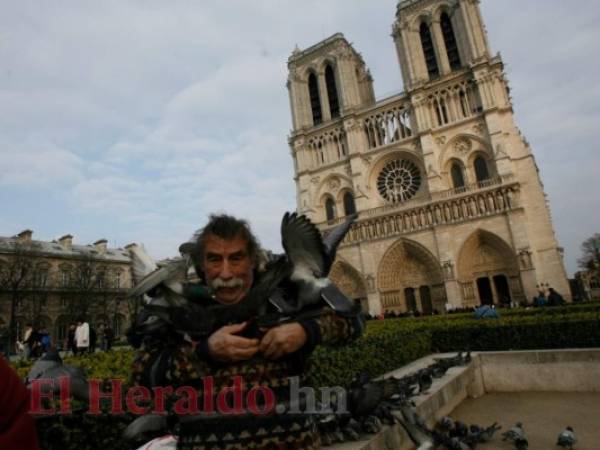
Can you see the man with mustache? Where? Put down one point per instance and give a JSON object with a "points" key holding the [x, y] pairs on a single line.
{"points": [[228, 255]]}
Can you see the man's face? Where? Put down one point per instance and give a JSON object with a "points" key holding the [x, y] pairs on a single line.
{"points": [[228, 268]]}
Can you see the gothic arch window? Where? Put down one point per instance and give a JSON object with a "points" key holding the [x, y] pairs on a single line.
{"points": [[330, 212], [458, 179], [428, 51], [482, 172], [332, 93], [349, 206], [450, 41], [399, 180], [315, 99], [464, 104], [440, 111]]}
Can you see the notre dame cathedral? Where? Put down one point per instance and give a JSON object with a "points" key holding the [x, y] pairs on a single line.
{"points": [[451, 209]]}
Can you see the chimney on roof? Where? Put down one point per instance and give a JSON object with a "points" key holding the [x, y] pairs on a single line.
{"points": [[100, 245], [66, 241], [24, 237]]}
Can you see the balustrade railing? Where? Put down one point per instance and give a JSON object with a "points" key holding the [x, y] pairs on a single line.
{"points": [[474, 204], [452, 103], [327, 147], [387, 124]]}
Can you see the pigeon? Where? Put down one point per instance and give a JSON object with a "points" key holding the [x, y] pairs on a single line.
{"points": [[371, 424], [417, 430], [146, 426], [460, 430], [445, 424], [486, 434], [456, 444], [521, 444], [514, 433], [566, 438], [425, 381], [51, 367], [309, 256], [364, 396]]}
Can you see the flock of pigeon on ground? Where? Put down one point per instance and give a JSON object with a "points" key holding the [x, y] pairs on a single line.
{"points": [[373, 403]]}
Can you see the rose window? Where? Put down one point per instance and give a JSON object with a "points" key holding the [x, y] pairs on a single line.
{"points": [[399, 180]]}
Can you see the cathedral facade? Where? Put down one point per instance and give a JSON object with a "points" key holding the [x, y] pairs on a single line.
{"points": [[451, 211]]}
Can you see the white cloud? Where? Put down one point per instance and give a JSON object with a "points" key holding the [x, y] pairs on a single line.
{"points": [[35, 165]]}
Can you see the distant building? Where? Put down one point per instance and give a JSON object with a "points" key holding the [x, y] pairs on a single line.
{"points": [[451, 208], [50, 284]]}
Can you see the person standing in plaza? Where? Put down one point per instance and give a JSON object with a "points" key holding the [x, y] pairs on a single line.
{"points": [[82, 336], [71, 339]]}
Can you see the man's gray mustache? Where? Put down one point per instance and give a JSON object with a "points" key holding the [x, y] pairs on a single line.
{"points": [[218, 283]]}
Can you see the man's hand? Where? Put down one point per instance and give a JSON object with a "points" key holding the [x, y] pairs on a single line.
{"points": [[282, 340], [224, 345]]}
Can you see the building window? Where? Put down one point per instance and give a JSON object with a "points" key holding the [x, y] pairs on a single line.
{"points": [[458, 180], [349, 206], [65, 278], [450, 41], [428, 51], [117, 280], [481, 169], [315, 100], [40, 277], [330, 209], [334, 103]]}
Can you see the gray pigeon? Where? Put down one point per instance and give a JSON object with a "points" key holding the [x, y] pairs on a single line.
{"points": [[422, 437], [146, 425], [445, 424], [309, 256], [51, 367], [486, 434], [521, 444], [514, 433], [566, 438]]}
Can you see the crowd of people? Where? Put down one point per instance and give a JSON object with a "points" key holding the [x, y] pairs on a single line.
{"points": [[81, 338], [549, 297]]}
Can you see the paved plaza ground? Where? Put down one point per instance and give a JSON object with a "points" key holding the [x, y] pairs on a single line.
{"points": [[543, 414]]}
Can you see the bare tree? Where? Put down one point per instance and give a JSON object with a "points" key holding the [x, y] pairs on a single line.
{"points": [[590, 259], [87, 283], [37, 300], [15, 278]]}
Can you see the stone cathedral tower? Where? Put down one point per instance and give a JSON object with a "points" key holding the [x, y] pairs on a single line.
{"points": [[450, 205]]}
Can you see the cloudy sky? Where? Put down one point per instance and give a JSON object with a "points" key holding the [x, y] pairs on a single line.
{"points": [[133, 120]]}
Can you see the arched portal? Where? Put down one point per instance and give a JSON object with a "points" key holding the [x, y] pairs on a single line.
{"points": [[409, 277], [488, 271], [350, 282]]}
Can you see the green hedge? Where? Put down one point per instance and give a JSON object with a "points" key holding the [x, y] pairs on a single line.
{"points": [[386, 345]]}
